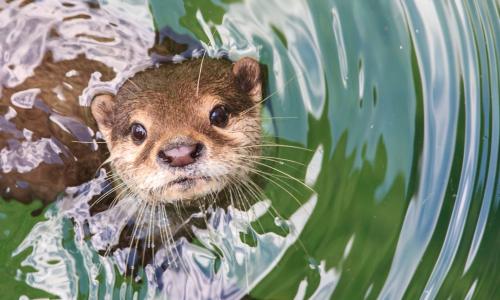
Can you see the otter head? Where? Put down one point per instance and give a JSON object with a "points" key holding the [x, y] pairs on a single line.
{"points": [[179, 132]]}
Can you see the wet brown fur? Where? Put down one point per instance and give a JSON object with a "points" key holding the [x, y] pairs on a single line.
{"points": [[173, 101]]}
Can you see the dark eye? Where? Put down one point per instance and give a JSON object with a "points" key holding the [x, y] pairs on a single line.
{"points": [[219, 116], [138, 133]]}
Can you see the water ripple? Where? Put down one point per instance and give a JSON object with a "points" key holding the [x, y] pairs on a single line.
{"points": [[400, 103]]}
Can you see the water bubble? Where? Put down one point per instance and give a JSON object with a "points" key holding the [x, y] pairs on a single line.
{"points": [[313, 263]]}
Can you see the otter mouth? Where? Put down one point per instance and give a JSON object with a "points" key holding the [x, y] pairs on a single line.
{"points": [[187, 182]]}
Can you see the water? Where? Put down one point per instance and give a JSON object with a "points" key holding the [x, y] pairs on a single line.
{"points": [[399, 102]]}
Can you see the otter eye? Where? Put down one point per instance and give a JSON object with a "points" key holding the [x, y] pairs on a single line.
{"points": [[138, 133], [219, 116]]}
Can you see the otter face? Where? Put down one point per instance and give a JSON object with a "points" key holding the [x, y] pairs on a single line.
{"points": [[183, 131]]}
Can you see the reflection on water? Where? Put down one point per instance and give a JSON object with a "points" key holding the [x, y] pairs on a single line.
{"points": [[186, 271], [400, 102]]}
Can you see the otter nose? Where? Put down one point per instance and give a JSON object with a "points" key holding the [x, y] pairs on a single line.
{"points": [[180, 155]]}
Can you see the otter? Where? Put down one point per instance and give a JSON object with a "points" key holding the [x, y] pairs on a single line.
{"points": [[179, 132]]}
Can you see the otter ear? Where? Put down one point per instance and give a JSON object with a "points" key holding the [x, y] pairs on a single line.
{"points": [[249, 77], [102, 108]]}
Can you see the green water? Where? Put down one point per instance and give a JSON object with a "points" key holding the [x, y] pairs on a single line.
{"points": [[376, 140], [403, 99]]}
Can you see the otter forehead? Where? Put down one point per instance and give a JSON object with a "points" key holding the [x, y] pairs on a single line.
{"points": [[185, 79], [174, 88], [177, 110]]}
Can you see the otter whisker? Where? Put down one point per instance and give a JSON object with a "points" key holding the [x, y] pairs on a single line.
{"points": [[252, 186], [153, 233], [108, 160], [146, 241], [248, 221], [114, 241], [249, 228], [134, 232], [250, 208], [169, 233], [241, 197], [287, 175], [274, 145], [239, 130], [255, 194], [102, 197], [279, 163], [268, 97], [164, 234], [169, 241], [238, 187], [204, 213], [161, 208], [274, 175], [177, 209], [111, 176], [249, 163], [170, 236], [280, 186], [121, 195], [259, 190], [279, 179], [132, 268], [111, 179], [135, 85], [199, 74], [93, 142], [230, 191], [141, 223], [272, 158], [232, 188], [278, 118]]}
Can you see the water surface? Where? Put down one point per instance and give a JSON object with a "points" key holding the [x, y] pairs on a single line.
{"points": [[398, 102]]}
